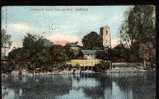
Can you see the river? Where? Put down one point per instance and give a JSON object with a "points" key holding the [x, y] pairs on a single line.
{"points": [[90, 86]]}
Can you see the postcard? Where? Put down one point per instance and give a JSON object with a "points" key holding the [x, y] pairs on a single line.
{"points": [[78, 52]]}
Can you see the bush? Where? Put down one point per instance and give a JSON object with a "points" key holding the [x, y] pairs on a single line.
{"points": [[102, 66]]}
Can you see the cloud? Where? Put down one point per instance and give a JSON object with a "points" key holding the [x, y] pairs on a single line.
{"points": [[19, 27], [116, 19], [114, 42], [63, 39]]}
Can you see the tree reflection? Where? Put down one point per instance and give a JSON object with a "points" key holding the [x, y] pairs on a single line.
{"points": [[39, 86], [141, 85], [98, 92], [96, 86]]}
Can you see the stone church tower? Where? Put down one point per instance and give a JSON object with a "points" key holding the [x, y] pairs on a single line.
{"points": [[105, 36], [106, 40]]}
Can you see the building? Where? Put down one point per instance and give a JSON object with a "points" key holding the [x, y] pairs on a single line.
{"points": [[89, 56]]}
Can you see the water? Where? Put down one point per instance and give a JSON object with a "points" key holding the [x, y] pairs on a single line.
{"points": [[95, 86]]}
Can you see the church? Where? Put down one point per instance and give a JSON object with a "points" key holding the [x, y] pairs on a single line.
{"points": [[106, 40], [89, 56]]}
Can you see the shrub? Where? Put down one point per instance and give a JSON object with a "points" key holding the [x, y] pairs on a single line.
{"points": [[102, 66]]}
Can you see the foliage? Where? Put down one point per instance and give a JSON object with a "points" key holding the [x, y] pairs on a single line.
{"points": [[123, 54], [139, 25], [70, 52], [105, 54], [138, 29], [35, 50], [120, 53], [7, 67], [59, 54], [5, 43], [73, 50], [102, 66], [92, 41], [5, 39]]}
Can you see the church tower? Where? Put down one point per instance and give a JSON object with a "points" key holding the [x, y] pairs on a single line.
{"points": [[105, 36], [106, 40]]}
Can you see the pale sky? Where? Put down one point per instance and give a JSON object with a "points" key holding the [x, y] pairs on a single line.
{"points": [[60, 24]]}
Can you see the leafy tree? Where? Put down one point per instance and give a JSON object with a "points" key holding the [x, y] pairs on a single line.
{"points": [[5, 39], [58, 54], [139, 29], [17, 54], [73, 50], [35, 49], [69, 51], [120, 53], [92, 41], [29, 41], [5, 43], [102, 66], [139, 25]]}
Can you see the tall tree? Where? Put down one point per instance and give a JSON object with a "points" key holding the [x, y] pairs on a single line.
{"points": [[5, 39], [139, 29], [59, 54], [35, 49], [92, 41], [29, 41], [139, 25]]}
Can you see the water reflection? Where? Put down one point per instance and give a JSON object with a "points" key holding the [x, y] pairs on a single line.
{"points": [[97, 86]]}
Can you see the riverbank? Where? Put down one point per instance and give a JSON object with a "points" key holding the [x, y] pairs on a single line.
{"points": [[67, 72]]}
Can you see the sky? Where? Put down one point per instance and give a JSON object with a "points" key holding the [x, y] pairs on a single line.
{"points": [[61, 24]]}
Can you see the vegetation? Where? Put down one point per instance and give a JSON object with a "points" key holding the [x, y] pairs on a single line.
{"points": [[102, 66], [5, 44], [139, 25], [92, 41], [35, 51], [38, 52], [59, 54], [138, 29], [5, 39]]}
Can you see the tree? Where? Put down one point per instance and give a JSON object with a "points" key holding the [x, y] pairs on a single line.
{"points": [[5, 43], [69, 51], [29, 41], [35, 49], [58, 54], [102, 66], [92, 41], [139, 25], [73, 50], [139, 28], [120, 53], [39, 49], [5, 39]]}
